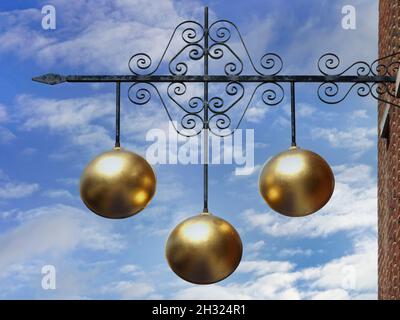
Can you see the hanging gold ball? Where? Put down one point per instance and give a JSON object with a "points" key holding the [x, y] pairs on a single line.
{"points": [[296, 182], [117, 184], [204, 249]]}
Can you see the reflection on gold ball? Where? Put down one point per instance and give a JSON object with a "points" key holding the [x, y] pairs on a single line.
{"points": [[204, 249], [296, 182], [117, 184]]}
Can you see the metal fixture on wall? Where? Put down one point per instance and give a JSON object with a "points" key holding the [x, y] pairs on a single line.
{"points": [[117, 184]]}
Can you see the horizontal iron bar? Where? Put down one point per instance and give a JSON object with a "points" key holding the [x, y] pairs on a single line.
{"points": [[56, 78]]}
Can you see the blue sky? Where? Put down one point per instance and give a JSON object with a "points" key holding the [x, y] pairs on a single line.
{"points": [[48, 134]]}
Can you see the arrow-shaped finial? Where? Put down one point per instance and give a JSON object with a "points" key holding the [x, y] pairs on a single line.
{"points": [[50, 78]]}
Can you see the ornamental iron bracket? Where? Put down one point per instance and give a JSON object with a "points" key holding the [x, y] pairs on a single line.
{"points": [[218, 44]]}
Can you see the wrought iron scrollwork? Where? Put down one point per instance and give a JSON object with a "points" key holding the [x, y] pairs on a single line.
{"points": [[220, 32], [384, 92], [220, 120], [271, 93], [192, 125], [330, 92], [140, 93], [194, 105], [329, 64], [219, 124], [217, 104], [178, 66], [232, 67], [387, 66], [191, 33]]}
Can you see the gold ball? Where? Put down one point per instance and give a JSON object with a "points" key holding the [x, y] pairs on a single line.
{"points": [[296, 182], [204, 249], [117, 184]]}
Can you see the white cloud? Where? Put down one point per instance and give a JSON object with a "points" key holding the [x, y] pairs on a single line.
{"points": [[131, 269], [360, 114], [264, 267], [18, 35], [85, 122], [303, 110], [356, 273], [54, 230], [357, 140], [256, 112], [15, 190], [211, 292], [358, 174], [104, 33], [254, 248], [69, 181], [289, 252], [88, 122], [130, 289], [59, 193], [68, 114], [334, 294]]}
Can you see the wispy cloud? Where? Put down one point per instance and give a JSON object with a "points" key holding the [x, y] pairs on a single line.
{"points": [[124, 27], [10, 189], [289, 252], [357, 140], [59, 194], [54, 230], [129, 289]]}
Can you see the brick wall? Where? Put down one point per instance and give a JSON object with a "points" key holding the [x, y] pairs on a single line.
{"points": [[389, 167]]}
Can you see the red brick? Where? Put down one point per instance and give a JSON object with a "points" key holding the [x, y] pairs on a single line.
{"points": [[389, 168]]}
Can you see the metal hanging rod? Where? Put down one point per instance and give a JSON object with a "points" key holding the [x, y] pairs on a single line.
{"points": [[205, 112], [53, 79], [118, 115], [293, 112]]}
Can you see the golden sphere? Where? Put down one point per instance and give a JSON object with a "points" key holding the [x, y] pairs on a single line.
{"points": [[296, 182], [204, 249], [117, 184]]}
